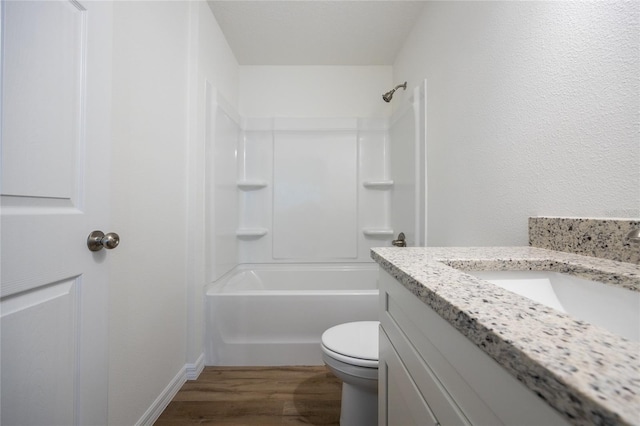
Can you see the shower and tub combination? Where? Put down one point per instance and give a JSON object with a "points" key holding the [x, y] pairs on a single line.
{"points": [[274, 314], [296, 204]]}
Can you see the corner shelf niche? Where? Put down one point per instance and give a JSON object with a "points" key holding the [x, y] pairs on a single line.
{"points": [[378, 184], [251, 233], [252, 184]]}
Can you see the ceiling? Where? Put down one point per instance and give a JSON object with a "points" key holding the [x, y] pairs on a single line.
{"points": [[316, 32]]}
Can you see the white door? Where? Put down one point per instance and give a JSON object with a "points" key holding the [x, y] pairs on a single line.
{"points": [[56, 66]]}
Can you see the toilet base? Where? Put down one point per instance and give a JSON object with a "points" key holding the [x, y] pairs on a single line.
{"points": [[359, 405]]}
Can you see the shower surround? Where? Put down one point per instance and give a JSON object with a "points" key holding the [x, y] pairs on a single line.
{"points": [[290, 193], [297, 190]]}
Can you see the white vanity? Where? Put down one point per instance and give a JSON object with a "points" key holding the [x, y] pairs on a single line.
{"points": [[455, 349]]}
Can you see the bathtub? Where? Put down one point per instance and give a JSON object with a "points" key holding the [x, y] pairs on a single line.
{"points": [[614, 308], [263, 315]]}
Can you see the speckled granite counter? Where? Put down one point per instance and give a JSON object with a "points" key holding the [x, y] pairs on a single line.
{"points": [[585, 372], [605, 238]]}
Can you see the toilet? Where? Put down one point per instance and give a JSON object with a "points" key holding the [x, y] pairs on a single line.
{"points": [[350, 351]]}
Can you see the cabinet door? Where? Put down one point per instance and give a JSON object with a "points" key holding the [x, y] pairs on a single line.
{"points": [[400, 401]]}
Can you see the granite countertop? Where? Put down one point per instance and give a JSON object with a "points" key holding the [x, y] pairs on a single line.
{"points": [[588, 374]]}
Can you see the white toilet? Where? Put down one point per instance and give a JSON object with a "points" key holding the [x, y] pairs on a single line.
{"points": [[351, 352]]}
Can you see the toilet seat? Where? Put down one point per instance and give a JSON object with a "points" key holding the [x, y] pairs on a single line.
{"points": [[354, 343]]}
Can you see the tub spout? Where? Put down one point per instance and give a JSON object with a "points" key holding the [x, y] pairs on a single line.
{"points": [[400, 241]]}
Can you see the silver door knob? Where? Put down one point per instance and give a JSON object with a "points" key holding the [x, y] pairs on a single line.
{"points": [[97, 240]]}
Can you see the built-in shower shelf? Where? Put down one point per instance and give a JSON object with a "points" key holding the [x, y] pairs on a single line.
{"points": [[378, 184], [251, 184], [377, 232], [251, 232]]}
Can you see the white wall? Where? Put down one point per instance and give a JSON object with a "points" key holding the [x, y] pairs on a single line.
{"points": [[533, 109], [147, 294], [213, 67], [163, 51], [314, 91], [216, 62]]}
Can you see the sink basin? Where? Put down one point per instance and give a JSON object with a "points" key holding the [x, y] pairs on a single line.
{"points": [[615, 308]]}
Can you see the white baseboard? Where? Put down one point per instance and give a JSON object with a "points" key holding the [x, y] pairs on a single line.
{"points": [[188, 372], [194, 370]]}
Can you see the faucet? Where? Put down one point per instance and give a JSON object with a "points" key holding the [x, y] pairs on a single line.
{"points": [[634, 236], [400, 241]]}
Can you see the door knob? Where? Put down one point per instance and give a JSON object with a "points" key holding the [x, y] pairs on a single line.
{"points": [[97, 240]]}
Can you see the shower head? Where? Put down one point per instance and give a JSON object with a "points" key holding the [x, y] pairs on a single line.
{"points": [[389, 95]]}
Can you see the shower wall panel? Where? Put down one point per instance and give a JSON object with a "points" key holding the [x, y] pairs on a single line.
{"points": [[305, 189], [402, 157], [315, 195], [408, 158], [222, 132], [375, 183], [255, 157]]}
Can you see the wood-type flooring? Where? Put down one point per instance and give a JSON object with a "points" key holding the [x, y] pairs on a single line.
{"points": [[263, 396]]}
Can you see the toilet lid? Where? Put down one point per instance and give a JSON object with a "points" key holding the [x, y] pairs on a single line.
{"points": [[353, 339]]}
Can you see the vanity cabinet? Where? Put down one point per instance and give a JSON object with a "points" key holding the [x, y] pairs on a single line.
{"points": [[430, 374]]}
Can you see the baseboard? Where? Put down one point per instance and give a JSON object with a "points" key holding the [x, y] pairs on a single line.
{"points": [[188, 372], [161, 402], [194, 370]]}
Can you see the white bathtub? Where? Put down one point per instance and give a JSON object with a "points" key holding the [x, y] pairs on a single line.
{"points": [[615, 308], [275, 314]]}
